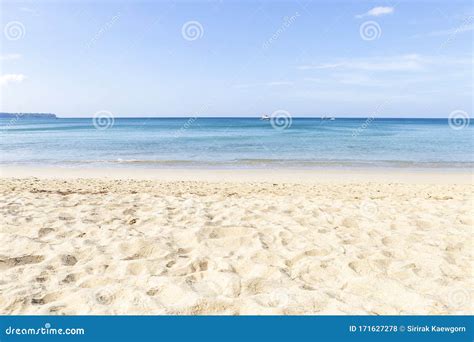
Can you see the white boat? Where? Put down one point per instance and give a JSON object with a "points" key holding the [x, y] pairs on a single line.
{"points": [[265, 117]]}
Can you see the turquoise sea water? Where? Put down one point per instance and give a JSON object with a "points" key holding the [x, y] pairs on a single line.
{"points": [[235, 143]]}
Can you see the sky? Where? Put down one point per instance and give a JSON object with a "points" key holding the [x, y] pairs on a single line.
{"points": [[237, 58]]}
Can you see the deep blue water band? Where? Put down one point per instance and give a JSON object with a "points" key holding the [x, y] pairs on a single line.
{"points": [[243, 328]]}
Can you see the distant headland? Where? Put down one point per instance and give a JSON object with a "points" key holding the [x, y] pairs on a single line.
{"points": [[29, 115]]}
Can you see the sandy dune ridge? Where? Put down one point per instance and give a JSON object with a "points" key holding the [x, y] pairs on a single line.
{"points": [[111, 246]]}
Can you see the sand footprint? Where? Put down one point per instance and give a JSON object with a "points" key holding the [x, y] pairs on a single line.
{"points": [[20, 261]]}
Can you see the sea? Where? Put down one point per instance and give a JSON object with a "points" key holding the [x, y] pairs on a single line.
{"points": [[237, 143]]}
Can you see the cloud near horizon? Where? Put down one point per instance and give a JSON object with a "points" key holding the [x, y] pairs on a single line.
{"points": [[11, 78], [10, 56], [408, 62], [263, 84], [376, 12]]}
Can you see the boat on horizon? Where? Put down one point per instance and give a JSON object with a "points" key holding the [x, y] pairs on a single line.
{"points": [[265, 117]]}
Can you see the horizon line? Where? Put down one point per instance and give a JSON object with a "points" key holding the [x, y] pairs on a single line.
{"points": [[221, 117], [251, 117]]}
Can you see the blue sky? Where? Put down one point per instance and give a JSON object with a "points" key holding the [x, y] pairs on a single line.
{"points": [[317, 58]]}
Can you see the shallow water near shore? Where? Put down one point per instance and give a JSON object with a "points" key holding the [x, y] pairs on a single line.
{"points": [[236, 143]]}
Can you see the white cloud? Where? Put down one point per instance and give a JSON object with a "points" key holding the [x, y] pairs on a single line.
{"points": [[9, 56], [358, 79], [29, 10], [266, 84], [244, 86], [376, 12], [344, 78], [410, 62], [279, 83], [321, 66], [11, 78], [388, 71], [26, 9], [313, 79]]}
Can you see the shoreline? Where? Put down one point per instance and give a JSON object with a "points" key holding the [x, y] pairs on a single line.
{"points": [[421, 176]]}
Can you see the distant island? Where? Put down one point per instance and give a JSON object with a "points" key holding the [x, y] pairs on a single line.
{"points": [[29, 115]]}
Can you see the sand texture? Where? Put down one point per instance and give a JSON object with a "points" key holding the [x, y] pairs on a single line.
{"points": [[92, 246]]}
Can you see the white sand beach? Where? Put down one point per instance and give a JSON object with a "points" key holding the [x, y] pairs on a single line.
{"points": [[235, 242]]}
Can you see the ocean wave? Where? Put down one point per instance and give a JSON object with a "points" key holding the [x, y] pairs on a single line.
{"points": [[282, 163]]}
